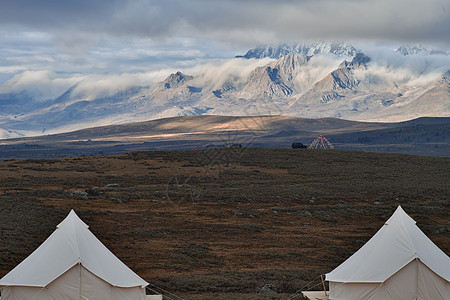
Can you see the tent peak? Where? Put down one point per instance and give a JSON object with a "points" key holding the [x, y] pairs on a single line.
{"points": [[72, 219], [400, 216]]}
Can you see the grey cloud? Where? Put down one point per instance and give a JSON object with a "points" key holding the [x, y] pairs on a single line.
{"points": [[47, 14], [98, 36], [242, 22]]}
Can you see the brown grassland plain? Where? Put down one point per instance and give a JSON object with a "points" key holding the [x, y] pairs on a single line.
{"points": [[219, 224]]}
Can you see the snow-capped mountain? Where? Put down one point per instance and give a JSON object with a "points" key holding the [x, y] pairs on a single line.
{"points": [[307, 49], [419, 50], [354, 87]]}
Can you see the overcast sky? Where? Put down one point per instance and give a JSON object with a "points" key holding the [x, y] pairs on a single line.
{"points": [[117, 36]]}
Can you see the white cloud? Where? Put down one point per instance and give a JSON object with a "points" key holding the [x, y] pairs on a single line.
{"points": [[41, 85], [234, 71], [391, 68], [46, 85], [93, 86]]}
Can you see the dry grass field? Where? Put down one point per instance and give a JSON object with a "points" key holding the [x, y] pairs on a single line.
{"points": [[219, 224]]}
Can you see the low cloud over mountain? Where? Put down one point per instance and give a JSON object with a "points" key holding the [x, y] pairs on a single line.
{"points": [[382, 85]]}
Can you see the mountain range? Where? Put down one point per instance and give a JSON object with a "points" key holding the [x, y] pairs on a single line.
{"points": [[304, 80], [341, 49]]}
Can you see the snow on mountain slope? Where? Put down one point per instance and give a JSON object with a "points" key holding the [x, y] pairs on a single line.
{"points": [[419, 50], [307, 49]]}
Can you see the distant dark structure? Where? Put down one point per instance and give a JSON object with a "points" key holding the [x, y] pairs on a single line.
{"points": [[298, 146], [234, 145]]}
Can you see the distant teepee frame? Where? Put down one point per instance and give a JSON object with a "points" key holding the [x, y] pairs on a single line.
{"points": [[321, 143]]}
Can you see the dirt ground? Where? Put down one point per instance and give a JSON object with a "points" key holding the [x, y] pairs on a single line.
{"points": [[220, 224]]}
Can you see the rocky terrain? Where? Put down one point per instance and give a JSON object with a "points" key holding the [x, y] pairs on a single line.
{"points": [[223, 223]]}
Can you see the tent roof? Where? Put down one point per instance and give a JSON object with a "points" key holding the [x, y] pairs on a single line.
{"points": [[70, 244], [395, 245]]}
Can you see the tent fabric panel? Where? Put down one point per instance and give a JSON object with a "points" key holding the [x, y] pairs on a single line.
{"points": [[22, 293], [94, 288], [315, 295], [354, 291], [133, 293], [417, 281], [431, 286], [413, 282], [403, 284], [67, 287], [154, 297], [64, 288]]}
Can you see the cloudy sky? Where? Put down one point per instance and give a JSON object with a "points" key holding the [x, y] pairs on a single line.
{"points": [[133, 36]]}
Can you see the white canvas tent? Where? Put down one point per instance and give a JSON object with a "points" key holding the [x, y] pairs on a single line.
{"points": [[72, 264], [398, 262]]}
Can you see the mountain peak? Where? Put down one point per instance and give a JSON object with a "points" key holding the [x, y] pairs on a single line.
{"points": [[341, 49], [360, 60], [175, 80]]}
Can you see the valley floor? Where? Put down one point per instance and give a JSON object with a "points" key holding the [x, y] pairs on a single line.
{"points": [[220, 224]]}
